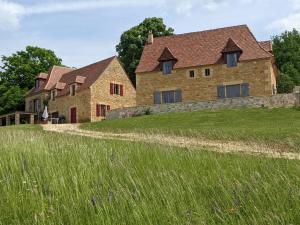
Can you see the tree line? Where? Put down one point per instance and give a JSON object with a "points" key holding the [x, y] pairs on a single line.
{"points": [[18, 71]]}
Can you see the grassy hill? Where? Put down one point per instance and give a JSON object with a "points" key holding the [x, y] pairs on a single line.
{"points": [[52, 178], [273, 126]]}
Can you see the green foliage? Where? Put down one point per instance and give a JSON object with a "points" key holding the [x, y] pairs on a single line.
{"points": [[285, 83], [49, 178], [11, 98], [18, 75], [22, 67], [286, 48], [132, 42], [236, 125]]}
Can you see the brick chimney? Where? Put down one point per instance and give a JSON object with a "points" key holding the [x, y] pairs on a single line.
{"points": [[150, 38]]}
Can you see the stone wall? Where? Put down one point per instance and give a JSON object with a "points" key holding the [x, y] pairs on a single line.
{"points": [[275, 101], [100, 90], [259, 74]]}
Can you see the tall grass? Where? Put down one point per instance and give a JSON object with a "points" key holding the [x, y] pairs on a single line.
{"points": [[48, 178]]}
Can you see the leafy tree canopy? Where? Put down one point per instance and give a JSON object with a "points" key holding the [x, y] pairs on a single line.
{"points": [[286, 48], [132, 42], [18, 72]]}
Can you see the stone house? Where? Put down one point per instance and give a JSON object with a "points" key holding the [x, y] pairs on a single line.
{"points": [[207, 65], [82, 95]]}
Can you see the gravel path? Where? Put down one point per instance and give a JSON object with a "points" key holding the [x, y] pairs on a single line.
{"points": [[194, 143]]}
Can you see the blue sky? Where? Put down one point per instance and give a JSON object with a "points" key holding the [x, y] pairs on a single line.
{"points": [[85, 31]]}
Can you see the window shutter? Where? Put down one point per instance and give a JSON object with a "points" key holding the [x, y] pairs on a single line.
{"points": [[157, 97], [111, 88], [108, 107], [178, 96], [221, 91], [121, 90], [97, 110], [244, 90]]}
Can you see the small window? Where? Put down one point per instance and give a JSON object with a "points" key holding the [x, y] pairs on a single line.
{"points": [[72, 89], [192, 73], [37, 84], [207, 72], [52, 95], [232, 60], [167, 67], [116, 89], [101, 110]]}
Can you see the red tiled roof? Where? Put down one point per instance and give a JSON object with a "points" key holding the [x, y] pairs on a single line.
{"points": [[53, 77], [267, 45], [166, 55], [201, 48], [231, 46], [43, 76], [89, 74]]}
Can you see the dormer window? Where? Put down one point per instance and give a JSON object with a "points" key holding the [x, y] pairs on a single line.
{"points": [[231, 59], [231, 53], [167, 67], [167, 61], [72, 89]]}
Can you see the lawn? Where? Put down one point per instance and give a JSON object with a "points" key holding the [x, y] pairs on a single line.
{"points": [[279, 126], [49, 178]]}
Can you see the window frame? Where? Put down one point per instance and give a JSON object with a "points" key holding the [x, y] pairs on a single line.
{"points": [[171, 96], [228, 60], [192, 73], [167, 67], [72, 89], [207, 70], [52, 95]]}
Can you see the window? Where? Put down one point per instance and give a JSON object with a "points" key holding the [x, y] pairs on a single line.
{"points": [[37, 105], [232, 91], [192, 73], [72, 89], [101, 110], [207, 72], [116, 89], [232, 60], [37, 83], [167, 67], [167, 97], [52, 95]]}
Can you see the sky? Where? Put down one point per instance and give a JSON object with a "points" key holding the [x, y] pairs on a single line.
{"points": [[82, 32]]}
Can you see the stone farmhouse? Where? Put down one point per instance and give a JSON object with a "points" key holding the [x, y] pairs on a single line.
{"points": [[207, 65], [82, 95]]}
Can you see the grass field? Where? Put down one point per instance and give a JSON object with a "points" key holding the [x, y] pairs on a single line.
{"points": [[280, 126], [50, 178]]}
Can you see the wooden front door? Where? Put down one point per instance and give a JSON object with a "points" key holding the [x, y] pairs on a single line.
{"points": [[73, 115]]}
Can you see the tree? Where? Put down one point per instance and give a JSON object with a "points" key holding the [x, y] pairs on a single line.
{"points": [[17, 75], [285, 84], [22, 67], [132, 42], [286, 48]]}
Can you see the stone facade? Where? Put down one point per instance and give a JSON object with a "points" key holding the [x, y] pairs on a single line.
{"points": [[86, 100], [29, 101], [259, 74], [275, 101], [100, 90]]}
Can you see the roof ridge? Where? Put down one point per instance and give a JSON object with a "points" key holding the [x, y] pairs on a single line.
{"points": [[203, 31], [258, 43]]}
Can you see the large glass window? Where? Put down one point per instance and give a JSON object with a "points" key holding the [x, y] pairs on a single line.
{"points": [[167, 67], [232, 91], [167, 97], [232, 60]]}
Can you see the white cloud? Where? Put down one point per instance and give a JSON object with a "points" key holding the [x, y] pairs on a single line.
{"points": [[10, 14], [287, 23], [290, 21]]}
